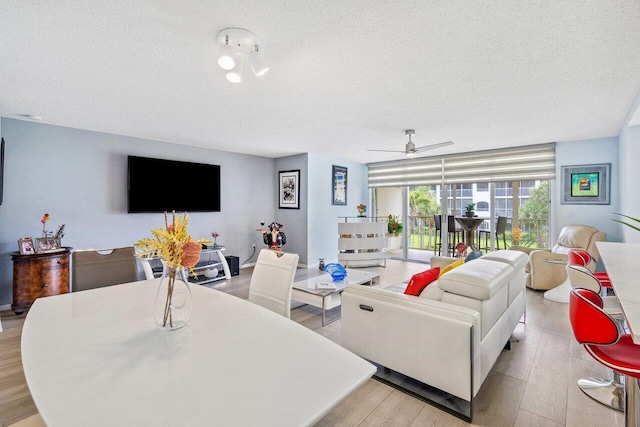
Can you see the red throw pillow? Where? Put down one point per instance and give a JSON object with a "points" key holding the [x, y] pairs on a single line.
{"points": [[419, 281]]}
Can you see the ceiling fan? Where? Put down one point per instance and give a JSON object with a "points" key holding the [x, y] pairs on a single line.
{"points": [[411, 149]]}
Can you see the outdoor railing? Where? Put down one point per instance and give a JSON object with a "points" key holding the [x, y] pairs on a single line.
{"points": [[535, 232]]}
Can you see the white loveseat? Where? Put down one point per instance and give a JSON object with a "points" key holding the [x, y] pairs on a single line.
{"points": [[451, 335]]}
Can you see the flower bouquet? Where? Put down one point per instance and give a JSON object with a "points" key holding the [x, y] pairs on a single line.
{"points": [[177, 249]]}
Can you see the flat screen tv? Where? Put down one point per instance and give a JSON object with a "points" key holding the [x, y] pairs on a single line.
{"points": [[157, 185]]}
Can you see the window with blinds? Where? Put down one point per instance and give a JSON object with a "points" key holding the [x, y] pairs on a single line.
{"points": [[532, 162]]}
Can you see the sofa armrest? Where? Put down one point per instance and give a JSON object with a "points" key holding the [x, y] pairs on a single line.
{"points": [[412, 335]]}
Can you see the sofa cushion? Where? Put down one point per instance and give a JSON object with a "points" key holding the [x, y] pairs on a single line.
{"points": [[451, 266], [480, 279], [419, 281], [519, 261], [515, 259]]}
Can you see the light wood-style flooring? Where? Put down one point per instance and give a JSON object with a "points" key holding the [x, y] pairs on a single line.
{"points": [[534, 384]]}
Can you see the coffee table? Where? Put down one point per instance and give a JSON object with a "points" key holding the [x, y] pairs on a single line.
{"points": [[305, 290]]}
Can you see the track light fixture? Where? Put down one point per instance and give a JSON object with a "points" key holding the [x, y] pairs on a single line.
{"points": [[238, 45]]}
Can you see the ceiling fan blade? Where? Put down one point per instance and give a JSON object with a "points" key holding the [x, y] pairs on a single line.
{"points": [[434, 146], [388, 151]]}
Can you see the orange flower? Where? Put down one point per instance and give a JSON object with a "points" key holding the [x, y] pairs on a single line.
{"points": [[190, 254]]}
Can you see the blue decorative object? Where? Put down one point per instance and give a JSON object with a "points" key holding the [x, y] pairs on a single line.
{"points": [[473, 255], [336, 271]]}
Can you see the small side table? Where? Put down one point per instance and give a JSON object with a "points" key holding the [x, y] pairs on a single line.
{"points": [[39, 275]]}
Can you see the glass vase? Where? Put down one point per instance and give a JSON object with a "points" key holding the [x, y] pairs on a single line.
{"points": [[173, 305]]}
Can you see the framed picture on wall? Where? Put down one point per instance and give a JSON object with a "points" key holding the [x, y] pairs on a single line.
{"points": [[289, 189], [586, 184], [339, 182]]}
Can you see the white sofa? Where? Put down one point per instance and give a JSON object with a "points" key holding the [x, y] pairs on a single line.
{"points": [[451, 335]]}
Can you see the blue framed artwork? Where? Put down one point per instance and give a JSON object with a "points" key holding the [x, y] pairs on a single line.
{"points": [[339, 183], [586, 184]]}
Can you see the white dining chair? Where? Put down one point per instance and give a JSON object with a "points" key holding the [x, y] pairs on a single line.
{"points": [[272, 281], [146, 268]]}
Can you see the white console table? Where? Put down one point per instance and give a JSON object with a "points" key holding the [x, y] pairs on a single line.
{"points": [[210, 259], [362, 244]]}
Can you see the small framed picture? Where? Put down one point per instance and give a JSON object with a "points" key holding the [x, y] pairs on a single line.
{"points": [[26, 246], [289, 189], [339, 185], [47, 244]]}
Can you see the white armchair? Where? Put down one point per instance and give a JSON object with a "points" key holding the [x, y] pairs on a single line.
{"points": [[546, 267]]}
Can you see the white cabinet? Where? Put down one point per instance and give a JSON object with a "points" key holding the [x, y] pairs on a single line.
{"points": [[362, 244]]}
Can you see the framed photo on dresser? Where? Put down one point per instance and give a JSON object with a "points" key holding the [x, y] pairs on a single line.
{"points": [[26, 246]]}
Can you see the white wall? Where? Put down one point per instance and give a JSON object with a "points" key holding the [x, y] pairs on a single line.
{"points": [[592, 151], [323, 217], [79, 178], [630, 177], [294, 221]]}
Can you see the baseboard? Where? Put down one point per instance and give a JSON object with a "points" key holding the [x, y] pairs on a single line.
{"points": [[5, 307]]}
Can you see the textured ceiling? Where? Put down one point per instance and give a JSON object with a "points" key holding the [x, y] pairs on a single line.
{"points": [[345, 75]]}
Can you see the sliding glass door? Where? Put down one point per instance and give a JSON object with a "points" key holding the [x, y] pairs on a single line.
{"points": [[507, 188]]}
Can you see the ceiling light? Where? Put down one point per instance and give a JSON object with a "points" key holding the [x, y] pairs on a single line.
{"points": [[238, 45], [225, 56], [257, 62], [235, 75]]}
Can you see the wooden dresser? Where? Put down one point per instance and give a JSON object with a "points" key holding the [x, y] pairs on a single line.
{"points": [[39, 275]]}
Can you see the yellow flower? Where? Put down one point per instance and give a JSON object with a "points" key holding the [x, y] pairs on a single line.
{"points": [[516, 234], [173, 243]]}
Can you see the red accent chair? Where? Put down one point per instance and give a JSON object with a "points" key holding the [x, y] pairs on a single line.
{"points": [[598, 332]]}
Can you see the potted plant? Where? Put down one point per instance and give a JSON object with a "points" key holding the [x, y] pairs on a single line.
{"points": [[394, 225], [635, 227], [471, 207]]}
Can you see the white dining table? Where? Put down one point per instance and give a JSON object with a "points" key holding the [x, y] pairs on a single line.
{"points": [[621, 262], [96, 358]]}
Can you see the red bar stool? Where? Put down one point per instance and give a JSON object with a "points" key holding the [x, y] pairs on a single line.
{"points": [[609, 392], [598, 332], [580, 257]]}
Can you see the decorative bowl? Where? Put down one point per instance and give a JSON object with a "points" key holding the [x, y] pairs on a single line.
{"points": [[336, 271], [210, 273]]}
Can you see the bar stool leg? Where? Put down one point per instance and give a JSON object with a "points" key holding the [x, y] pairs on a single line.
{"points": [[630, 414], [608, 392]]}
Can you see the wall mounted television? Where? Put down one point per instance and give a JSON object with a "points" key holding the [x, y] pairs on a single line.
{"points": [[158, 185]]}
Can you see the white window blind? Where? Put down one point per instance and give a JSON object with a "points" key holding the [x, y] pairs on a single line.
{"points": [[529, 162]]}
